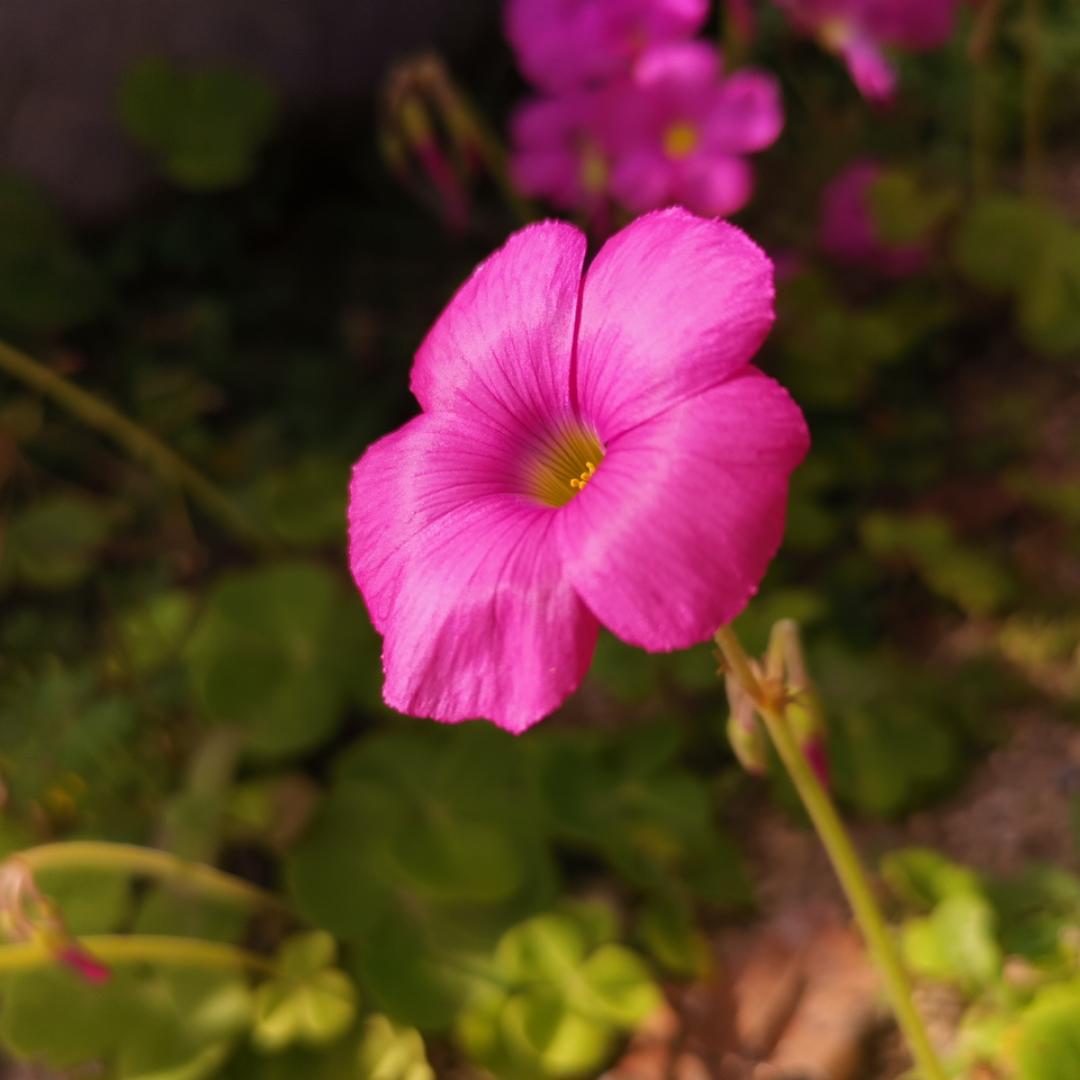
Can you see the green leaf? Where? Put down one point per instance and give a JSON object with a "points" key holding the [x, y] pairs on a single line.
{"points": [[205, 127], [922, 878], [1001, 239], [904, 212], [457, 861], [90, 901], [54, 543], [1048, 1047], [306, 954], [315, 1009], [1049, 311], [304, 503], [389, 1051], [152, 634], [332, 877], [619, 987], [46, 284], [271, 655], [544, 948], [94, 1017], [411, 975], [961, 574], [666, 928], [539, 1026], [955, 943]]}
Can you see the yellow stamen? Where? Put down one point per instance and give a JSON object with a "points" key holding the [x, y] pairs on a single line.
{"points": [[565, 461], [680, 139]]}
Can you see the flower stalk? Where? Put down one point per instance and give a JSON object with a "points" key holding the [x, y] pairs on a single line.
{"points": [[131, 859], [119, 949], [135, 440], [770, 699]]}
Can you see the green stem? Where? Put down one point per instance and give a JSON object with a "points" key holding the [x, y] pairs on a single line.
{"points": [[842, 854], [115, 949], [131, 859], [136, 440]]}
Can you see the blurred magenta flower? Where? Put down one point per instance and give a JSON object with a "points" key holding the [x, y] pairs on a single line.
{"points": [[859, 31], [849, 231], [591, 449], [680, 130], [559, 151], [566, 44]]}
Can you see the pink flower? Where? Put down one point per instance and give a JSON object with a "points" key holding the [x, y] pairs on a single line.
{"points": [[849, 231], [558, 149], [592, 449], [565, 44], [860, 30], [681, 130]]}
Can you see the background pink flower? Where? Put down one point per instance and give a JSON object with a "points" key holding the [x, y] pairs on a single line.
{"points": [[558, 148], [594, 450], [565, 44], [679, 133], [859, 31], [849, 231]]}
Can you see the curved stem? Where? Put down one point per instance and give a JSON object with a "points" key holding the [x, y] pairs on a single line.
{"points": [[131, 859], [844, 858], [136, 440], [114, 949]]}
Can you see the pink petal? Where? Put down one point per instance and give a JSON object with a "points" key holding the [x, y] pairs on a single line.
{"points": [[672, 305], [641, 180], [870, 71], [688, 63], [716, 185], [462, 575], [380, 509], [503, 344], [563, 44], [675, 531], [911, 24], [749, 114]]}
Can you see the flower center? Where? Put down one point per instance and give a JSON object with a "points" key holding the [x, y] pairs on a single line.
{"points": [[680, 139], [835, 34], [594, 170], [565, 461]]}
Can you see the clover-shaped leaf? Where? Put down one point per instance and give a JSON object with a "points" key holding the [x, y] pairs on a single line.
{"points": [[54, 543], [205, 127], [275, 653], [308, 1001], [389, 1051], [559, 999]]}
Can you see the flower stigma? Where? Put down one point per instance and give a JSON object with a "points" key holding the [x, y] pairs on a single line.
{"points": [[564, 463], [680, 140], [594, 168]]}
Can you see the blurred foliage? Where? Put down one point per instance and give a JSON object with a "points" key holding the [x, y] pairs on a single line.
{"points": [[204, 127], [46, 283], [461, 893], [1009, 947]]}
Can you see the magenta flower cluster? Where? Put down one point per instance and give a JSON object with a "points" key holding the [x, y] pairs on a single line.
{"points": [[632, 110], [594, 447], [861, 32]]}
